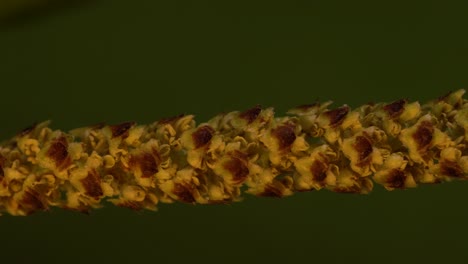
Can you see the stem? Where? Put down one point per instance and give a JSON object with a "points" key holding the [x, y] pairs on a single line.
{"points": [[398, 145]]}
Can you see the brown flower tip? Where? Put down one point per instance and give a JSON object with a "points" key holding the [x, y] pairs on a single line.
{"points": [[396, 179], [395, 109], [92, 185], [170, 119], [337, 116], [444, 97], [121, 130], [31, 202], [308, 109], [251, 114], [184, 192], [202, 136], [58, 152], [285, 135], [451, 168], [423, 135], [305, 107], [237, 166], [348, 189], [133, 205], [272, 191], [27, 130], [2, 163], [147, 162], [363, 147], [98, 125], [319, 170]]}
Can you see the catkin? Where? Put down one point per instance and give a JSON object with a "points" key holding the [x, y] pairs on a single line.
{"points": [[398, 145]]}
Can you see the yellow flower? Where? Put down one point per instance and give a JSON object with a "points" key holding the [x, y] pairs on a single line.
{"points": [[55, 155], [420, 138], [360, 151], [452, 164], [283, 143], [447, 103], [393, 174], [349, 181], [316, 170], [334, 122], [197, 141], [396, 113], [233, 168]]}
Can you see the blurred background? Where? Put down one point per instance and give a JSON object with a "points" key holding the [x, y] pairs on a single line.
{"points": [[84, 62]]}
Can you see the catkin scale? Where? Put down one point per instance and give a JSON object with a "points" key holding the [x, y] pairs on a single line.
{"points": [[398, 145]]}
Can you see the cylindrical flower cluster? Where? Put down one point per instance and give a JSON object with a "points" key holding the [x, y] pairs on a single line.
{"points": [[398, 145]]}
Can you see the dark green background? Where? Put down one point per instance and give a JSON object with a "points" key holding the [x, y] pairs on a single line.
{"points": [[121, 60]]}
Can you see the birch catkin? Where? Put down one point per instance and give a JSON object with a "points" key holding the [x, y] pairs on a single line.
{"points": [[398, 145]]}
